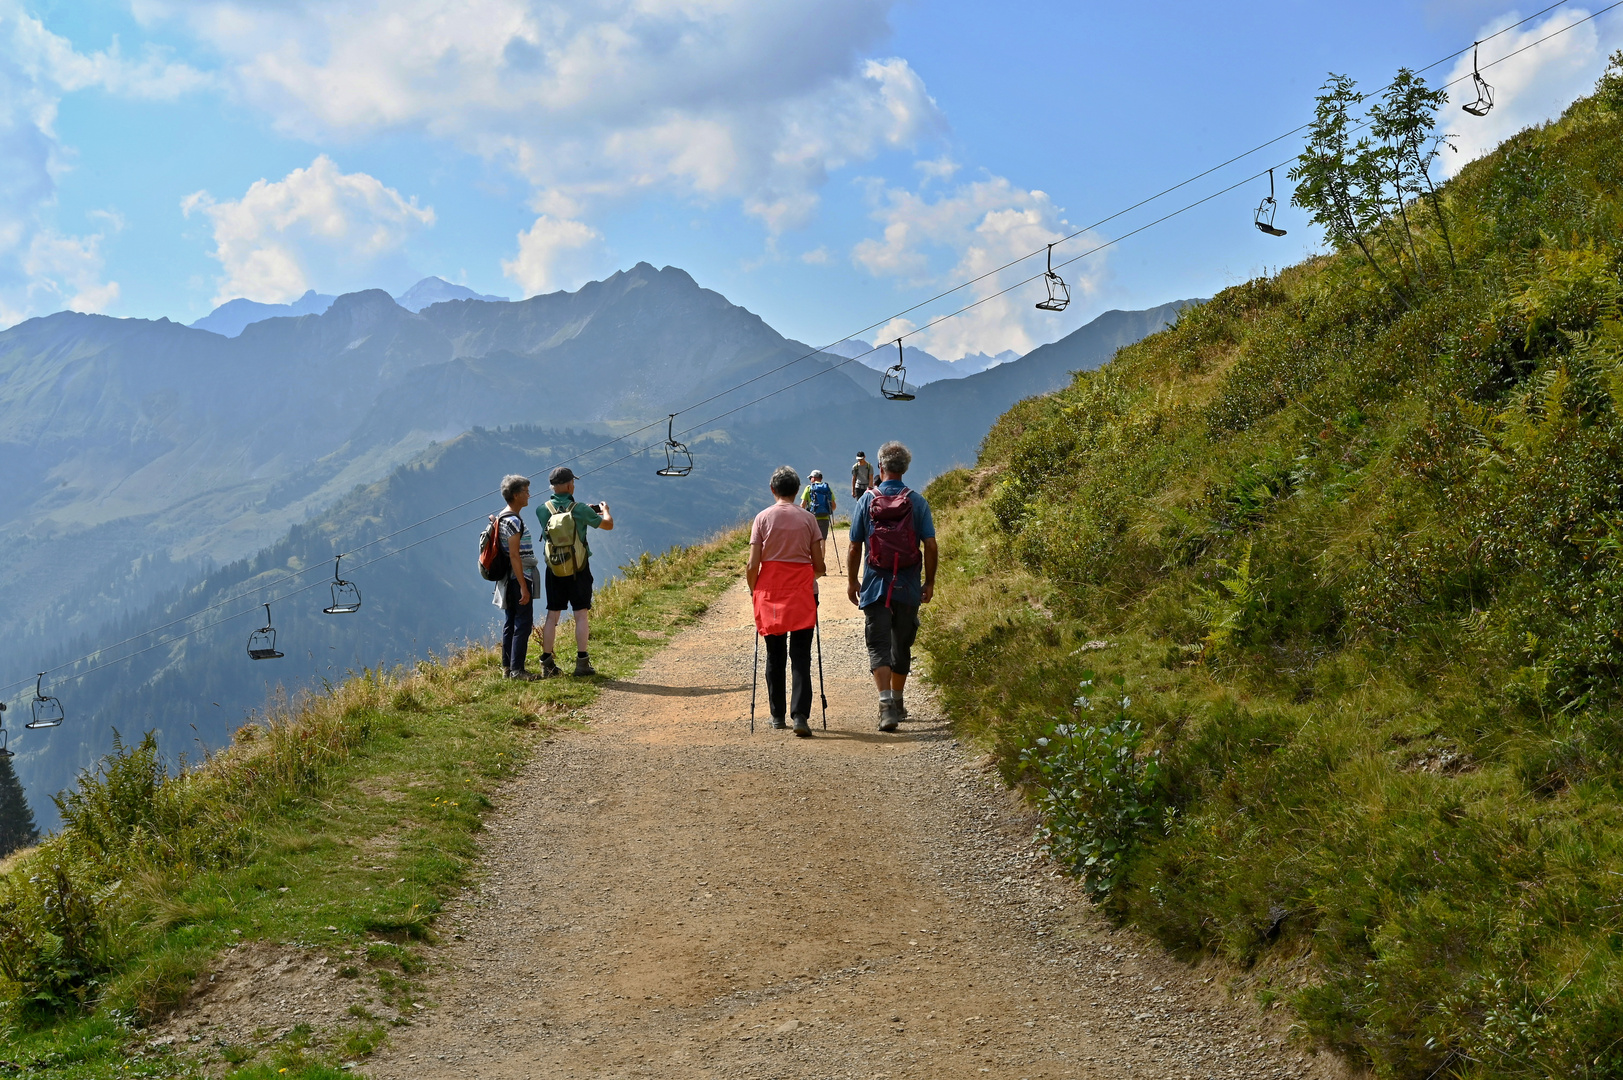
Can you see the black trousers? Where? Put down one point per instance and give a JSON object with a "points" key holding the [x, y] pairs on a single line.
{"points": [[797, 644], [516, 630]]}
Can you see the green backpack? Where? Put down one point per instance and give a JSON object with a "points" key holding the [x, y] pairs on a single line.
{"points": [[566, 551]]}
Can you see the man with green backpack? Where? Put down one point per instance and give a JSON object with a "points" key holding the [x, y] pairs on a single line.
{"points": [[569, 571]]}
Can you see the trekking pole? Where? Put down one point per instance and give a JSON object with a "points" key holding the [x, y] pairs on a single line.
{"points": [[755, 678], [821, 691]]}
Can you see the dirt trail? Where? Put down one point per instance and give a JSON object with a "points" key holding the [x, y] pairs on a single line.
{"points": [[667, 895]]}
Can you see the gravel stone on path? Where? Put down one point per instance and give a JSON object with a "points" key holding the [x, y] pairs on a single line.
{"points": [[667, 895]]}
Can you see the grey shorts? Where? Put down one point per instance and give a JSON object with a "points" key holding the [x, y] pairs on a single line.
{"points": [[890, 632], [822, 524]]}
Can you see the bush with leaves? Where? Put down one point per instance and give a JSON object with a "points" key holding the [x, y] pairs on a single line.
{"points": [[1096, 792]]}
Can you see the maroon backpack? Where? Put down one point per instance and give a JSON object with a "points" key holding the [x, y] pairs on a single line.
{"points": [[893, 543]]}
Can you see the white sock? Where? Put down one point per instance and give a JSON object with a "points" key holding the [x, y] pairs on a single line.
{"points": [[887, 695]]}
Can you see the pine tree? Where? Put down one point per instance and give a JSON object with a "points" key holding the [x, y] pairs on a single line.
{"points": [[17, 828]]}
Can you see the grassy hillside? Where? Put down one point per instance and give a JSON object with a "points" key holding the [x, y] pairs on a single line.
{"points": [[341, 825], [1303, 622]]}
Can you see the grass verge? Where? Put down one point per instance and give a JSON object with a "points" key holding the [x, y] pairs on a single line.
{"points": [[339, 827]]}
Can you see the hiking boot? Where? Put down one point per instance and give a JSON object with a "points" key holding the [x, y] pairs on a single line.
{"points": [[550, 669], [802, 727], [583, 666], [778, 724], [889, 716], [507, 673], [901, 710], [523, 676]]}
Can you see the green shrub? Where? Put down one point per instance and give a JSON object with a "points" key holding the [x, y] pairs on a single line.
{"points": [[1095, 792]]}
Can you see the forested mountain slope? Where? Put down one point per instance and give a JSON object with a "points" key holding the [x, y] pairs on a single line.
{"points": [[153, 447], [1352, 542]]}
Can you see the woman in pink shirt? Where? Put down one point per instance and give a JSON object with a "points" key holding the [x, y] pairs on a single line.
{"points": [[786, 558]]}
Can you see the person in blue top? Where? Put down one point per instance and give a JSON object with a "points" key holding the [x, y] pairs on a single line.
{"points": [[819, 499], [515, 594], [888, 528]]}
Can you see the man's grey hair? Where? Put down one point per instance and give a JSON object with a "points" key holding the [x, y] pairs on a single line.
{"points": [[785, 482], [894, 458], [513, 484]]}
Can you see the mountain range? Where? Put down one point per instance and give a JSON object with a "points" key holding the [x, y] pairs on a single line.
{"points": [[161, 469], [233, 316]]}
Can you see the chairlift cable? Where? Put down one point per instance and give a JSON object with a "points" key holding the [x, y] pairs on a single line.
{"points": [[1106, 220], [832, 367]]}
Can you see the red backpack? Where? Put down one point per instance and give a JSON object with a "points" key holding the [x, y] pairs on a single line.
{"points": [[893, 543]]}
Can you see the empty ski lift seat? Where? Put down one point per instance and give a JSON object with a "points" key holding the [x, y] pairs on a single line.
{"points": [[1266, 209], [1059, 293], [678, 461], [893, 384], [47, 709], [262, 642], [346, 597]]}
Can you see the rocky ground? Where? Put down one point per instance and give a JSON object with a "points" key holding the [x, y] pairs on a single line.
{"points": [[669, 895]]}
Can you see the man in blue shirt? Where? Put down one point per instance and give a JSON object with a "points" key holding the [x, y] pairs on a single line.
{"points": [[890, 596]]}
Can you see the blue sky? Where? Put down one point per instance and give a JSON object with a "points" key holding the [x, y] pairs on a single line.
{"points": [[824, 163]]}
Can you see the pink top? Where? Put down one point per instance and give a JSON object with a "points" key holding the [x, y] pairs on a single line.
{"points": [[785, 533]]}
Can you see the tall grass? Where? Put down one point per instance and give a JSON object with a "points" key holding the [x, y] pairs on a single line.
{"points": [[105, 925], [1360, 565]]}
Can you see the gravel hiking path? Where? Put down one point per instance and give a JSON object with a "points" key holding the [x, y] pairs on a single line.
{"points": [[667, 895]]}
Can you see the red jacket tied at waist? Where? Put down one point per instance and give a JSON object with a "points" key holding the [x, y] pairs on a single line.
{"points": [[785, 597]]}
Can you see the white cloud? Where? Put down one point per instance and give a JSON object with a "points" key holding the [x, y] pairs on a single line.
{"points": [[590, 99], [549, 253], [981, 225], [273, 241], [817, 256], [41, 267], [1529, 88]]}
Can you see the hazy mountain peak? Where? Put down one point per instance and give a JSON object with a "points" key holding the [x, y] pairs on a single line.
{"points": [[436, 290], [230, 317]]}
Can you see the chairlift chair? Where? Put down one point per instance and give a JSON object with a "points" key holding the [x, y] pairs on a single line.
{"points": [[5, 737], [1059, 293], [1484, 93], [47, 709], [678, 461], [346, 598], [893, 385], [1266, 209], [262, 642]]}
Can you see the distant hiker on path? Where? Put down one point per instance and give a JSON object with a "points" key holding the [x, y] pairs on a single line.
{"points": [[569, 570], [786, 558], [819, 499], [861, 476], [887, 527], [515, 594]]}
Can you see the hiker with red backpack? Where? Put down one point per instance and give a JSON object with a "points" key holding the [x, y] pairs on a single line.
{"points": [[889, 527], [507, 557]]}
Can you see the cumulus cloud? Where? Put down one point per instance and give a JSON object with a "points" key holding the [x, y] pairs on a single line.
{"points": [[1529, 88], [981, 225], [271, 241], [588, 100], [41, 267], [549, 253]]}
